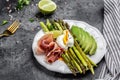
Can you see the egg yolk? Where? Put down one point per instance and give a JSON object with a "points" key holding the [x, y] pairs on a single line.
{"points": [[65, 39]]}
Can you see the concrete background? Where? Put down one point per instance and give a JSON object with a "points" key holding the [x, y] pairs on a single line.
{"points": [[16, 56]]}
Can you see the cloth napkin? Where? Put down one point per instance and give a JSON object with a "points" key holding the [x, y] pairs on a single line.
{"points": [[111, 67]]}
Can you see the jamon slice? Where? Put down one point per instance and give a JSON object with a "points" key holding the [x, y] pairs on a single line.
{"points": [[44, 43], [55, 55], [50, 48]]}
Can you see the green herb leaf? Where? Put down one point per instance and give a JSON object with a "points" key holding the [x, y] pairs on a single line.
{"points": [[22, 3], [31, 20], [4, 22], [27, 2]]}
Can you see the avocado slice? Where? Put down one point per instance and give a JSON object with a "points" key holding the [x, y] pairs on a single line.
{"points": [[82, 36], [86, 40], [75, 30], [88, 44], [77, 33], [94, 47]]}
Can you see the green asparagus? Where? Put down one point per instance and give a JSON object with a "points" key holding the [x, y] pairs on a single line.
{"points": [[56, 24], [44, 27], [85, 57], [59, 21], [79, 56], [49, 25], [68, 64], [75, 63], [76, 59]]}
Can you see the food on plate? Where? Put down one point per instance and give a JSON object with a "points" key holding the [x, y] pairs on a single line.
{"points": [[86, 41], [71, 51], [47, 6], [55, 33], [47, 46], [65, 40]]}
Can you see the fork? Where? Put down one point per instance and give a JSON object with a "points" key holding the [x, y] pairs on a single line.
{"points": [[11, 29]]}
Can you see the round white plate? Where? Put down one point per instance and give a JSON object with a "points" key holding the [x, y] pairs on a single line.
{"points": [[60, 66]]}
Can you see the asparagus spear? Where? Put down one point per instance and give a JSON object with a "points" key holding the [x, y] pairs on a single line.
{"points": [[56, 24], [83, 54], [91, 61], [75, 63], [77, 60], [75, 57], [85, 57], [59, 21], [68, 64], [44, 27], [70, 61], [67, 55], [79, 56], [49, 25], [53, 23], [63, 24]]}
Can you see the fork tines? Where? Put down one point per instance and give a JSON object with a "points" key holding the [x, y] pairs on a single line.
{"points": [[12, 28]]}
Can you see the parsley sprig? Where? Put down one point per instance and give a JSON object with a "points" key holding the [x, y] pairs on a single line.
{"points": [[22, 3], [4, 22]]}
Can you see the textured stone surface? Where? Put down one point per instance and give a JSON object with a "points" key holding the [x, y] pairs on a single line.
{"points": [[16, 56]]}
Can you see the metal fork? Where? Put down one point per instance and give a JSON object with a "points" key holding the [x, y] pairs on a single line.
{"points": [[11, 29]]}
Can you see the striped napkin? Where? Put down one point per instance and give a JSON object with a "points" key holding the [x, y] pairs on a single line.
{"points": [[111, 67]]}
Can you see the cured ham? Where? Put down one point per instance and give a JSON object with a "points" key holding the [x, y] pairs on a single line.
{"points": [[49, 47], [44, 42], [54, 54]]}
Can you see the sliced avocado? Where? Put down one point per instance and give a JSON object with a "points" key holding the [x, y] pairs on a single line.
{"points": [[76, 33], [82, 38], [88, 43], [94, 47]]}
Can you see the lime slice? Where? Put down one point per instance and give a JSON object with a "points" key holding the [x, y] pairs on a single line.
{"points": [[47, 6], [55, 33]]}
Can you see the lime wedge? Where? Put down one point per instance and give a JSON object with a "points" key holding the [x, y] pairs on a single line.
{"points": [[55, 33], [47, 6]]}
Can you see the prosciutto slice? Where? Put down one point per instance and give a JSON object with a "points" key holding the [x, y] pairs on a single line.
{"points": [[54, 55], [49, 47]]}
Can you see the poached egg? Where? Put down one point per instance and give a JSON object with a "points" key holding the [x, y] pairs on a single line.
{"points": [[65, 40]]}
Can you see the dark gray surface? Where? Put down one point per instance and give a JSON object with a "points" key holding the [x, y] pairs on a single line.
{"points": [[16, 56]]}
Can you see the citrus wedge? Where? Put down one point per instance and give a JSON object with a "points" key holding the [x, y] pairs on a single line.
{"points": [[55, 33], [47, 6]]}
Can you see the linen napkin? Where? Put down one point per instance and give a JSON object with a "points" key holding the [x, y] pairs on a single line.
{"points": [[111, 67]]}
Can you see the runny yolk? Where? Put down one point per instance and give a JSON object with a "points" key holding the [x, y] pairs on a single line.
{"points": [[65, 39], [61, 59]]}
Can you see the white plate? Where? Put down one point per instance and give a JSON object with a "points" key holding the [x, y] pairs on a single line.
{"points": [[60, 66]]}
